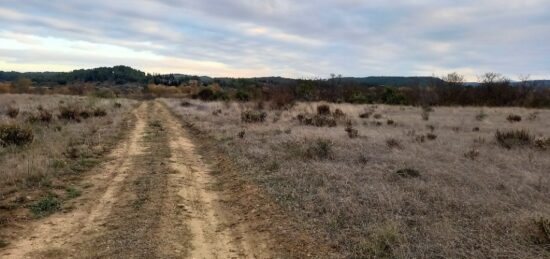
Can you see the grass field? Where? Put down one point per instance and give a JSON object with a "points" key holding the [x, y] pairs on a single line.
{"points": [[396, 181]]}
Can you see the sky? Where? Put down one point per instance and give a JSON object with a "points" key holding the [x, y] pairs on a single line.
{"points": [[298, 39]]}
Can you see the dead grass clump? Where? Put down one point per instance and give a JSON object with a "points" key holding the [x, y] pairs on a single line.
{"points": [[252, 116], [511, 138], [513, 118], [352, 132], [12, 112], [472, 154], [408, 173], [319, 149], [13, 134], [393, 143], [323, 109], [543, 231]]}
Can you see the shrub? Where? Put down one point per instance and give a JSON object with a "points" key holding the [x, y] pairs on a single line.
{"points": [[542, 143], [206, 94], [12, 112], [431, 136], [323, 109], [117, 105], [513, 118], [13, 134], [390, 122], [85, 114], [408, 173], [242, 96], [475, 129], [46, 206], [393, 143], [320, 149], [241, 134], [185, 104], [253, 116], [99, 112], [511, 138], [338, 114], [365, 115], [377, 116], [42, 116]]}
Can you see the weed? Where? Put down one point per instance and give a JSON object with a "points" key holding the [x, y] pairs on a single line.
{"points": [[13, 134], [511, 138], [253, 116], [46, 206], [513, 118], [73, 193]]}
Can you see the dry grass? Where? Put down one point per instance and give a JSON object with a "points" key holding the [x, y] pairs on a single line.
{"points": [[456, 194], [43, 149]]}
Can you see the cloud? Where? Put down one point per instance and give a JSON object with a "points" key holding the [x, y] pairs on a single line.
{"points": [[280, 37]]}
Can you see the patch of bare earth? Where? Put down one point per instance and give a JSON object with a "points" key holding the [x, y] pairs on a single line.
{"points": [[153, 199]]}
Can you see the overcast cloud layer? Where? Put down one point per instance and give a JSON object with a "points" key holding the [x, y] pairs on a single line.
{"points": [[279, 37]]}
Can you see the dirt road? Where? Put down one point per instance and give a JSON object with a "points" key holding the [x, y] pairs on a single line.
{"points": [[152, 199]]}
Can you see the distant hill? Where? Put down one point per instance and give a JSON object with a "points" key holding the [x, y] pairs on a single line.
{"points": [[120, 75]]}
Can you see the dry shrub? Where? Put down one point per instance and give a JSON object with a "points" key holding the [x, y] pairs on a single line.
{"points": [[316, 120], [352, 133], [319, 149], [323, 109], [12, 112], [99, 112], [408, 173], [393, 143], [511, 138], [253, 116], [12, 134], [513, 118], [70, 112], [42, 116]]}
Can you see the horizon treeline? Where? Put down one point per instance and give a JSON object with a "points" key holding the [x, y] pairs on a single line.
{"points": [[492, 89]]}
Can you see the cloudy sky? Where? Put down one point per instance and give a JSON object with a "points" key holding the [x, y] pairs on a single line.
{"points": [[309, 38]]}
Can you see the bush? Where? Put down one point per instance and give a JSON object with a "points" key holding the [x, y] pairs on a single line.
{"points": [[320, 149], [12, 112], [206, 94], [323, 109], [117, 105], [253, 116], [513, 118], [511, 138], [185, 104], [46, 206], [100, 112], [242, 96], [12, 134], [365, 115], [431, 136], [338, 114]]}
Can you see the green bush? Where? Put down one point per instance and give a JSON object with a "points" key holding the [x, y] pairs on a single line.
{"points": [[46, 206], [12, 134]]}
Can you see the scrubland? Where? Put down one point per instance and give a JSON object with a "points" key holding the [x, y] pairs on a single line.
{"points": [[46, 142], [395, 181]]}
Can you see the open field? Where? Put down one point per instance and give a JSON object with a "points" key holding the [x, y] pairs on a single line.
{"points": [[466, 193]]}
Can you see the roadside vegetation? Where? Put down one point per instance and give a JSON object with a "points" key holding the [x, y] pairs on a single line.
{"points": [[46, 143], [379, 181]]}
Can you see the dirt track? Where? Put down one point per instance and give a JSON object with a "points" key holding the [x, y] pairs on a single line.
{"points": [[152, 199]]}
